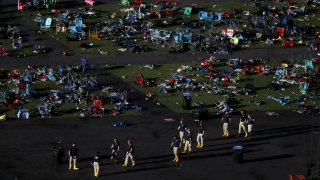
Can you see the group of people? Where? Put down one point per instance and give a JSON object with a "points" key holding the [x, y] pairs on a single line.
{"points": [[245, 123], [96, 161], [183, 137]]}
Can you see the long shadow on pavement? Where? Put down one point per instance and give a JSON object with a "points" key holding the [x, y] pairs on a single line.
{"points": [[283, 156]]}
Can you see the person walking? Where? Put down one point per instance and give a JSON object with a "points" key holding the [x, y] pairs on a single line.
{"points": [[115, 147], [129, 154], [226, 119], [73, 154], [187, 145], [175, 145], [96, 162], [182, 130], [242, 123], [200, 134], [250, 123]]}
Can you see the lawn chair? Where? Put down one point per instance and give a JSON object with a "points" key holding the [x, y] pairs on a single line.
{"points": [[16, 44], [249, 86], [202, 15], [303, 85], [280, 32], [63, 16], [308, 65], [187, 11], [288, 43], [125, 3], [84, 64], [23, 113], [280, 72], [223, 107], [47, 24], [260, 22], [96, 108], [236, 63], [3, 52]]}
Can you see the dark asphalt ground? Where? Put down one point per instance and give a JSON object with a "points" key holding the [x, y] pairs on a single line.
{"points": [[279, 146]]}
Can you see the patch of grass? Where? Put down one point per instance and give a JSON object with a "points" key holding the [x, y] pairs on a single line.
{"points": [[174, 100], [104, 11], [65, 110]]}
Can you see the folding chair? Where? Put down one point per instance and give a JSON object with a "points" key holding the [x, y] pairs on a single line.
{"points": [[47, 24]]}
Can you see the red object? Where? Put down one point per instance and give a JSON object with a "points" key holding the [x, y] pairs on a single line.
{"points": [[56, 11], [259, 69], [299, 177], [171, 80], [288, 43], [155, 15], [96, 107], [168, 13], [172, 3], [303, 80], [114, 112], [226, 79], [137, 4], [3, 52], [139, 80], [208, 65], [225, 14], [244, 70], [16, 102], [280, 31], [290, 177]]}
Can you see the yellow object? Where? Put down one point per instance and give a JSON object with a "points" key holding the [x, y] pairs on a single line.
{"points": [[227, 134], [235, 40], [133, 163], [285, 65], [124, 165], [246, 135], [3, 117], [75, 167], [201, 146]]}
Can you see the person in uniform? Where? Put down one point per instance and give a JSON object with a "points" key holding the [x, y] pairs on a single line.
{"points": [[250, 122], [129, 154], [96, 162], [175, 145], [181, 129], [226, 120], [187, 145], [200, 135], [73, 154], [242, 122], [115, 147]]}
